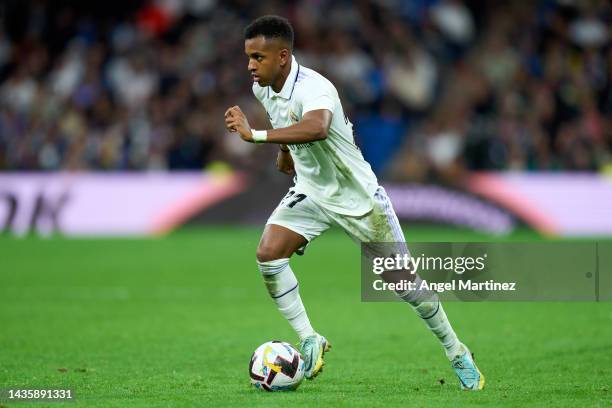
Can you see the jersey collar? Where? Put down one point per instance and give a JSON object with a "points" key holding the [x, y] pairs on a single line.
{"points": [[287, 89]]}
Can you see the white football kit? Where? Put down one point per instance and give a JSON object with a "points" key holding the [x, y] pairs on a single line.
{"points": [[334, 185]]}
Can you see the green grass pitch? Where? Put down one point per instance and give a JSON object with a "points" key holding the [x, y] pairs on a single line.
{"points": [[172, 322]]}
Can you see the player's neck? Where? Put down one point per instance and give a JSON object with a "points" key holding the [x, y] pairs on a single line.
{"points": [[282, 77]]}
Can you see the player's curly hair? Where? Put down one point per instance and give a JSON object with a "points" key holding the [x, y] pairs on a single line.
{"points": [[270, 27]]}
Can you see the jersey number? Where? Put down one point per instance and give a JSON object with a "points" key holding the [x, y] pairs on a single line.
{"points": [[298, 197]]}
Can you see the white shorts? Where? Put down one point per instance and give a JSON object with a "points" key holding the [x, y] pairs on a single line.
{"points": [[301, 214]]}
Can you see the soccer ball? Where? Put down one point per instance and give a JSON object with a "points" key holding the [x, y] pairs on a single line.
{"points": [[276, 366]]}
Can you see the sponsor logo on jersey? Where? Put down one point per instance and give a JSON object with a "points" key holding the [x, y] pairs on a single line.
{"points": [[300, 146]]}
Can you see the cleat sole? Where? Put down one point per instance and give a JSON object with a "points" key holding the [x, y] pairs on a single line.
{"points": [[320, 363]]}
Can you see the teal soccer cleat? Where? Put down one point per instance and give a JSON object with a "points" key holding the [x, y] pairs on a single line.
{"points": [[470, 377], [313, 348]]}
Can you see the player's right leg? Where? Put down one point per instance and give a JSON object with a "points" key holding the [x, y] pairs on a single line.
{"points": [[428, 307], [294, 223], [382, 225]]}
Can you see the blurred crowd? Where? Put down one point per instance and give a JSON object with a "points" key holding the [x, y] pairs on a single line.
{"points": [[434, 87]]}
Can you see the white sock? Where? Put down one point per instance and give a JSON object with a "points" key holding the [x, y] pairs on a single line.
{"points": [[427, 305], [284, 290], [433, 315]]}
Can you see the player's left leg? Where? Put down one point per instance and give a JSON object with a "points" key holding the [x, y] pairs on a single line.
{"points": [[382, 225], [296, 221], [276, 246]]}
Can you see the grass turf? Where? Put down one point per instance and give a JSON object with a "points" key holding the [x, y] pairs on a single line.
{"points": [[172, 322]]}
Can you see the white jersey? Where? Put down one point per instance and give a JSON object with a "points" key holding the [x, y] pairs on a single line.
{"points": [[333, 171]]}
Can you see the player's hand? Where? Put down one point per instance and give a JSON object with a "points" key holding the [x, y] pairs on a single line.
{"points": [[284, 162], [235, 121], [228, 119]]}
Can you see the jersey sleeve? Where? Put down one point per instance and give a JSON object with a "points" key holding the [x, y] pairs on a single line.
{"points": [[318, 95]]}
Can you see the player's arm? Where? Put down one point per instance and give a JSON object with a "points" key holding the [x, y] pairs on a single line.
{"points": [[313, 127]]}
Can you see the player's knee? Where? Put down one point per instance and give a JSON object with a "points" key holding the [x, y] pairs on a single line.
{"points": [[266, 253]]}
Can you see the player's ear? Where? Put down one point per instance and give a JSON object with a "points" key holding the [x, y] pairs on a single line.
{"points": [[284, 56]]}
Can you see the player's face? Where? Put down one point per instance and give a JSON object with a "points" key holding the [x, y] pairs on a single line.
{"points": [[266, 58]]}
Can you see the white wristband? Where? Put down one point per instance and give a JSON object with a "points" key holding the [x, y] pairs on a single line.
{"points": [[259, 136]]}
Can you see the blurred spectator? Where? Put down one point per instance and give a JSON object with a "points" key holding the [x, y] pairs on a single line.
{"points": [[435, 88]]}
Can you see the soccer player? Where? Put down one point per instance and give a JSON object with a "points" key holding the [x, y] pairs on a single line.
{"points": [[334, 185]]}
